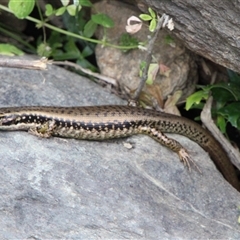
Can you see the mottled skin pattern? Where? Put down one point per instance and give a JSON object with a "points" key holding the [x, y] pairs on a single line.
{"points": [[106, 122]]}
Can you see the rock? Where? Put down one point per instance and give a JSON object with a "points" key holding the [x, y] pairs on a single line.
{"points": [[207, 28], [168, 52], [65, 188]]}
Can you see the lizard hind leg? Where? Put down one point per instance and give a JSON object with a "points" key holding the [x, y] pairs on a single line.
{"points": [[171, 144]]}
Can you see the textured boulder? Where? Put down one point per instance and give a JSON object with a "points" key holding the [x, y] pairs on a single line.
{"points": [[66, 188], [206, 27]]}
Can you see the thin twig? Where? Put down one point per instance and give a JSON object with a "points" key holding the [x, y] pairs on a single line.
{"points": [[148, 57], [87, 71], [42, 65], [23, 63]]}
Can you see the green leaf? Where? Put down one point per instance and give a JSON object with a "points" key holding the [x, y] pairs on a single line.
{"points": [[142, 67], [153, 25], [143, 64], [199, 106], [89, 29], [55, 40], [232, 88], [65, 2], [145, 17], [72, 9], [9, 50], [103, 20], [234, 77], [221, 123], [70, 50], [152, 13], [86, 64], [85, 3], [60, 11], [153, 68], [128, 40], [21, 8], [196, 98], [44, 50], [87, 51], [49, 10], [74, 24], [232, 113], [71, 46], [169, 39], [222, 96]]}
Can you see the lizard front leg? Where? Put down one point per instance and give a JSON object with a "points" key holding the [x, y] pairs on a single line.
{"points": [[45, 130]]}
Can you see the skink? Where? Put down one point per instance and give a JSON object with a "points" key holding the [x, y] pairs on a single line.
{"points": [[106, 122]]}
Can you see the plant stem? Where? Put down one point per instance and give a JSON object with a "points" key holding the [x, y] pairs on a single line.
{"points": [[148, 58], [40, 23], [17, 38]]}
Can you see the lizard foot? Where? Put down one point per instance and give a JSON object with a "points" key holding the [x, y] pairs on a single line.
{"points": [[187, 160]]}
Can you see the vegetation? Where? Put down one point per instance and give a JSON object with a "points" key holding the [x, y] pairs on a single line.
{"points": [[227, 101]]}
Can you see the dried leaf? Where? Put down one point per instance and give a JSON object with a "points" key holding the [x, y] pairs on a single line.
{"points": [[170, 104], [154, 91], [164, 70]]}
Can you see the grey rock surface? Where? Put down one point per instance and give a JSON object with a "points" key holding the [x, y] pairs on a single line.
{"points": [[207, 28], [65, 188]]}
